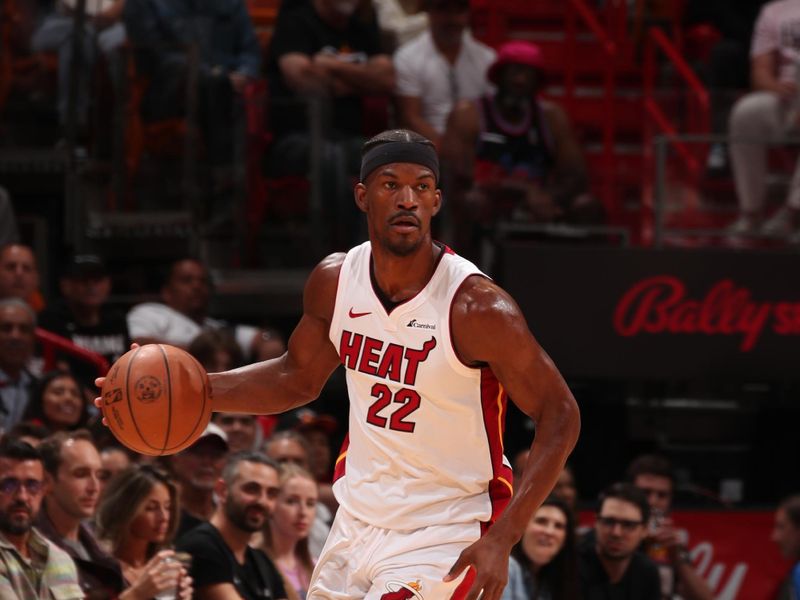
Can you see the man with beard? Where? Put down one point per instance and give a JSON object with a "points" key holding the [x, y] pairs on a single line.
{"points": [[612, 567], [31, 566], [74, 475], [223, 563], [665, 544], [432, 350], [197, 470]]}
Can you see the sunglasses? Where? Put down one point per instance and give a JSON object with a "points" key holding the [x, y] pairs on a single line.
{"points": [[625, 524], [11, 485]]}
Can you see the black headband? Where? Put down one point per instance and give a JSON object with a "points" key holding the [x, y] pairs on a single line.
{"points": [[400, 152]]}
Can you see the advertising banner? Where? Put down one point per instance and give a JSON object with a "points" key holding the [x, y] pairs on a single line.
{"points": [[673, 313]]}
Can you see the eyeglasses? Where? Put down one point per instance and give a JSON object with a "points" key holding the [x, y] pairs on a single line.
{"points": [[626, 524], [11, 485]]}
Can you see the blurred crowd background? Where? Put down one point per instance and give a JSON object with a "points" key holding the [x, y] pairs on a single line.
{"points": [[171, 170]]}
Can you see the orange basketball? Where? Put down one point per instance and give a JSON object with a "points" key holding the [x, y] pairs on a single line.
{"points": [[156, 399]]}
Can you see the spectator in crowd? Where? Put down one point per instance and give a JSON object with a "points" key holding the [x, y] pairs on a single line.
{"points": [[726, 69], [57, 403], [290, 448], [786, 534], [83, 315], [9, 232], [17, 324], [115, 460], [28, 432], [183, 314], [197, 470], [544, 562], [223, 563], [243, 431], [137, 517], [770, 111], [228, 58], [102, 30], [285, 533], [216, 350], [663, 543], [612, 567], [400, 22], [565, 488], [440, 67], [287, 447], [74, 475], [330, 51], [19, 275], [317, 430], [29, 562], [513, 154]]}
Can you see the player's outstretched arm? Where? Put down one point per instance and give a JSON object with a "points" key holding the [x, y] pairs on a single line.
{"points": [[298, 376], [489, 328]]}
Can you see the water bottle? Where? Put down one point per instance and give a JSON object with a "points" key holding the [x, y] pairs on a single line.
{"points": [[172, 592]]}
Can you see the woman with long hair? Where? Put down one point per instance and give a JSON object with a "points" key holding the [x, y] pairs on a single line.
{"points": [[57, 403], [137, 518], [543, 564], [285, 534]]}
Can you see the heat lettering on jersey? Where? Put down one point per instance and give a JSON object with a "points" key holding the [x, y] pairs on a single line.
{"points": [[383, 359]]}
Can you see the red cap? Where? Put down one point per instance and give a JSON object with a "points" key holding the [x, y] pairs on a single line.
{"points": [[516, 52]]}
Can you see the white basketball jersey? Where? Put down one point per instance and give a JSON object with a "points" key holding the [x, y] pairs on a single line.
{"points": [[425, 430]]}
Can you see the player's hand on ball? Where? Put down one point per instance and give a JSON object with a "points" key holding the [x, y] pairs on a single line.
{"points": [[98, 401]]}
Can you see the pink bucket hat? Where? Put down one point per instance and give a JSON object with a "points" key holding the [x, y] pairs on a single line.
{"points": [[517, 52]]}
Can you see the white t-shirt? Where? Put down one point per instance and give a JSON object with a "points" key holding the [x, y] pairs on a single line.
{"points": [[422, 72], [424, 442], [778, 30], [159, 321]]}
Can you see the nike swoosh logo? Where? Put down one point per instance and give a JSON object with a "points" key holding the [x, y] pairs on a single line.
{"points": [[355, 315]]}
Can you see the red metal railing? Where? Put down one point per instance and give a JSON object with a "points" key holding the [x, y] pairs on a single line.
{"points": [[657, 122], [52, 343], [580, 10]]}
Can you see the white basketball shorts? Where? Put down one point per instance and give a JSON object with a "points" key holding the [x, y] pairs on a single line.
{"points": [[362, 562]]}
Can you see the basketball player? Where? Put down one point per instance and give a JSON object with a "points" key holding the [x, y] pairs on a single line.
{"points": [[432, 348]]}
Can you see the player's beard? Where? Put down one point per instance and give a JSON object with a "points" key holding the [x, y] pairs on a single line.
{"points": [[400, 250], [16, 525], [402, 247]]}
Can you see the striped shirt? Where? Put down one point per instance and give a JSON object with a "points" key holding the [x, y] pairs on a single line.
{"points": [[48, 574]]}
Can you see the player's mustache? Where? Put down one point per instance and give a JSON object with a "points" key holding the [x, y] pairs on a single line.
{"points": [[403, 214]]}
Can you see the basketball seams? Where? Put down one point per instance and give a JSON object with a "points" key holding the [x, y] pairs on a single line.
{"points": [[169, 398], [130, 407], [157, 368], [201, 417], [108, 412]]}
